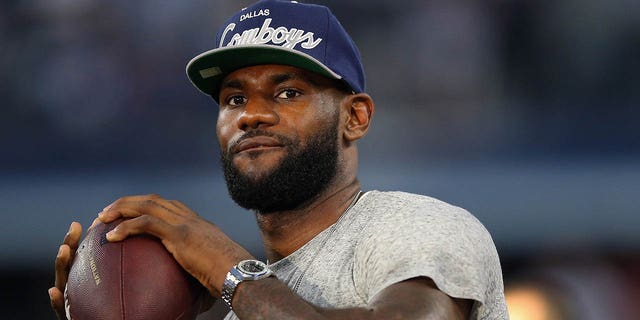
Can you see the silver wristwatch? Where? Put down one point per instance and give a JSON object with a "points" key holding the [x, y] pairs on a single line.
{"points": [[245, 270]]}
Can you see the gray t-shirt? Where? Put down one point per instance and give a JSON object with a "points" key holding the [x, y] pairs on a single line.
{"points": [[388, 237]]}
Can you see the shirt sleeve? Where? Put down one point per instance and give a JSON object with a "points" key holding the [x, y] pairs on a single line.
{"points": [[428, 239]]}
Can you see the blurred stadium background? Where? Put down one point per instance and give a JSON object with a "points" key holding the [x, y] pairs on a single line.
{"points": [[527, 113]]}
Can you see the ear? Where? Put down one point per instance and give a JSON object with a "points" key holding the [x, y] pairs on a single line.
{"points": [[359, 109]]}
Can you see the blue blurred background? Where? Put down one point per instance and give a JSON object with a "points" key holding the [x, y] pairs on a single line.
{"points": [[526, 113]]}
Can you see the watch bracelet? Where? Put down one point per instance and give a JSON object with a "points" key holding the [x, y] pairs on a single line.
{"points": [[229, 286], [234, 277]]}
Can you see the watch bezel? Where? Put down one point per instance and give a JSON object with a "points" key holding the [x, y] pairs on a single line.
{"points": [[248, 267]]}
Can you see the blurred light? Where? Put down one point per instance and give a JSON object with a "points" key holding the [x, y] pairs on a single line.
{"points": [[531, 303]]}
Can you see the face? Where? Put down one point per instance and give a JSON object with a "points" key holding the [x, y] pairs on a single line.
{"points": [[278, 131]]}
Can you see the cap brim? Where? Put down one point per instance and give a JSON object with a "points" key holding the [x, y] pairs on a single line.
{"points": [[207, 70]]}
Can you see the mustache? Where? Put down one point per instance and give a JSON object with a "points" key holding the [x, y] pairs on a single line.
{"points": [[284, 140]]}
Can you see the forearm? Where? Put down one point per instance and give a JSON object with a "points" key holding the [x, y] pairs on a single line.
{"points": [[272, 299], [413, 299]]}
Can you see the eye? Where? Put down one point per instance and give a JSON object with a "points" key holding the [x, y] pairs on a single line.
{"points": [[288, 94], [236, 100]]}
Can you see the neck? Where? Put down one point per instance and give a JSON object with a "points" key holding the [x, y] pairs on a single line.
{"points": [[286, 231]]}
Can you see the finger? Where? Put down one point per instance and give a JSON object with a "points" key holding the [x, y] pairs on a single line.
{"points": [[118, 212], [94, 223], [62, 266], [136, 206], [57, 303], [135, 198], [109, 213], [181, 206], [141, 225], [72, 238]]}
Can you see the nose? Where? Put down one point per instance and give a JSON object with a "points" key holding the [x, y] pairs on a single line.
{"points": [[257, 113]]}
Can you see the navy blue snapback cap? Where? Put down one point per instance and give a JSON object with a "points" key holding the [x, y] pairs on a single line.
{"points": [[289, 33]]}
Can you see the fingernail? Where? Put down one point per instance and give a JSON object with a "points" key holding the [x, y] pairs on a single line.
{"points": [[107, 207], [102, 215], [111, 234]]}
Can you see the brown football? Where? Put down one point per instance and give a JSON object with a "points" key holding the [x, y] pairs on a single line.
{"points": [[134, 279]]}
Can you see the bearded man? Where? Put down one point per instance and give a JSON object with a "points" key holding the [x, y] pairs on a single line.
{"points": [[292, 105]]}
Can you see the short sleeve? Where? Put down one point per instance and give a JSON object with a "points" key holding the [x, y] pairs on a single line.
{"points": [[428, 238]]}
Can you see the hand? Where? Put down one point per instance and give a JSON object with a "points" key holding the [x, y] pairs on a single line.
{"points": [[199, 246], [64, 259]]}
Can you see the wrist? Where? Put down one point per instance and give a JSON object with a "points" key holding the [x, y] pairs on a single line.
{"points": [[246, 270], [216, 267]]}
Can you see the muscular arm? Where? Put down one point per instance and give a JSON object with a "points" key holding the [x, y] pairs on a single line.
{"points": [[412, 299]]}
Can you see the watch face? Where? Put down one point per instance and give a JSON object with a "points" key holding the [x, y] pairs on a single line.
{"points": [[252, 266]]}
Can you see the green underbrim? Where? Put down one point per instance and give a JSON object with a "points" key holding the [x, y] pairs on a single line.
{"points": [[207, 70]]}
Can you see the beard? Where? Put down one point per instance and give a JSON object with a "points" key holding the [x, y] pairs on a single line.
{"points": [[304, 173]]}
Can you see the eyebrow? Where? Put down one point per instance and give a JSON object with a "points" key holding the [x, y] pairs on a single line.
{"points": [[233, 84], [280, 78]]}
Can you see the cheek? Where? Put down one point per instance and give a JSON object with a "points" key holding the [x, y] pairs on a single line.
{"points": [[224, 131]]}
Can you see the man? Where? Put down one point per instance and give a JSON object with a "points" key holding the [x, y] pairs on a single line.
{"points": [[290, 87]]}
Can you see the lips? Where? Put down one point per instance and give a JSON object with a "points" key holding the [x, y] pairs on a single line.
{"points": [[256, 143]]}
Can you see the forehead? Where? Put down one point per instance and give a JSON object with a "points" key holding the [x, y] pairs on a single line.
{"points": [[273, 73]]}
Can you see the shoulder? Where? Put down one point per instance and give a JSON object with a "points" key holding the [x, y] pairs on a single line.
{"points": [[400, 220], [397, 207], [410, 201]]}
